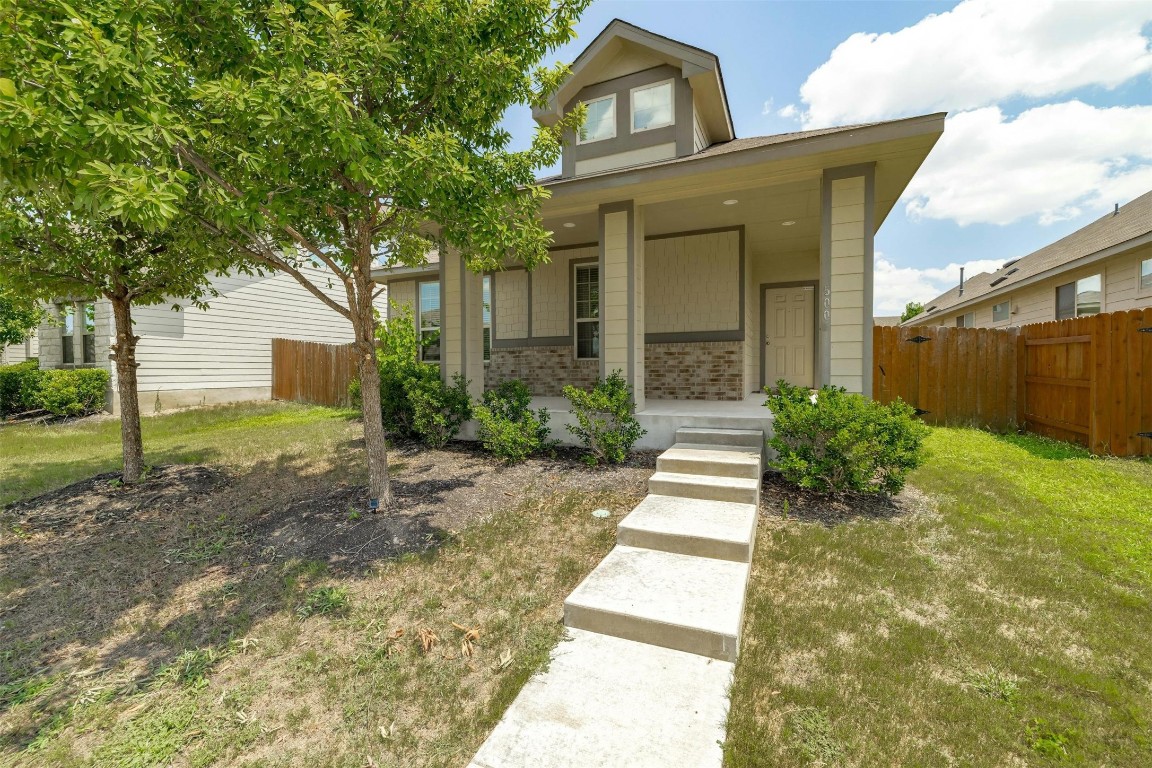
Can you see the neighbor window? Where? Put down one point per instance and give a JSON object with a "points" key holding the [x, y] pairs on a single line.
{"points": [[89, 333], [967, 320], [600, 122], [587, 311], [429, 320], [1079, 298], [1001, 311], [487, 318], [1146, 276], [67, 315], [652, 107]]}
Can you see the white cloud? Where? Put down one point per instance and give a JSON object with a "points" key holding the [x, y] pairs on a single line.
{"points": [[1055, 162], [767, 108], [894, 286], [788, 112], [979, 53]]}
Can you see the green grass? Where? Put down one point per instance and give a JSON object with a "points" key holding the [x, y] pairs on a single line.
{"points": [[1004, 621]]}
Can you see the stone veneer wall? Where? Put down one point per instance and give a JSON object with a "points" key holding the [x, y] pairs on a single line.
{"points": [[546, 370], [698, 370]]}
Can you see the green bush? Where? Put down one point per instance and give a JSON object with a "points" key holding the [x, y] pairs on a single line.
{"points": [[19, 383], [508, 428], [72, 392], [836, 441], [605, 424], [438, 409]]}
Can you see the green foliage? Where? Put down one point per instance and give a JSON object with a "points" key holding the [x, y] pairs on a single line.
{"points": [[190, 669], [605, 423], [438, 409], [19, 384], [911, 309], [72, 392], [835, 441], [323, 601], [508, 427], [19, 317]]}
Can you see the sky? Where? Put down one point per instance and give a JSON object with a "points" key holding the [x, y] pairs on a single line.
{"points": [[1049, 109]]}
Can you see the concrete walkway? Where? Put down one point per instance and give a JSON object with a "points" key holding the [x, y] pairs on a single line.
{"points": [[642, 679]]}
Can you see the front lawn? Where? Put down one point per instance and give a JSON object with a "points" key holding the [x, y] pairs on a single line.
{"points": [[239, 607], [999, 614]]}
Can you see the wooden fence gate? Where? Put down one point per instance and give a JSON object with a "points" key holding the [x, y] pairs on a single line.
{"points": [[1086, 380], [310, 372]]}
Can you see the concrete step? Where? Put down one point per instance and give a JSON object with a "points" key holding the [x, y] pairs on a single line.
{"points": [[752, 438], [723, 530], [687, 603], [719, 461], [744, 490], [605, 701]]}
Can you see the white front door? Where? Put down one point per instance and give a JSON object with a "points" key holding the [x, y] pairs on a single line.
{"points": [[789, 335]]}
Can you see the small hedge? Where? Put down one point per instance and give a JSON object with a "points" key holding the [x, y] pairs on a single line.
{"points": [[72, 392], [19, 384], [835, 441], [605, 423], [508, 428]]}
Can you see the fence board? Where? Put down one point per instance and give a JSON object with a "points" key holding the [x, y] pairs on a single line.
{"points": [[311, 372]]}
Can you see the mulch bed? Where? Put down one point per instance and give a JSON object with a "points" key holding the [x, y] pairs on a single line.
{"points": [[777, 497]]}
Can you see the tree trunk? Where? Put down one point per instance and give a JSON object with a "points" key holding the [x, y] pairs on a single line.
{"points": [[124, 353], [364, 326]]}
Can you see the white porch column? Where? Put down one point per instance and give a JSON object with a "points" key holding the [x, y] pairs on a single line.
{"points": [[622, 294], [462, 323], [846, 269]]}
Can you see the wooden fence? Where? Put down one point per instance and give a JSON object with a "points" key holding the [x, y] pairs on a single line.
{"points": [[310, 372], [1086, 380]]}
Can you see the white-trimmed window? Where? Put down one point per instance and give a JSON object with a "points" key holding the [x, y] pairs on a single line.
{"points": [[428, 320], [1144, 278], [89, 337], [1080, 298], [67, 314], [586, 310], [1002, 311], [600, 122], [487, 318], [653, 106], [966, 320]]}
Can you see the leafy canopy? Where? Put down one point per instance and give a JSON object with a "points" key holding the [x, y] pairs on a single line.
{"points": [[19, 316], [911, 309]]}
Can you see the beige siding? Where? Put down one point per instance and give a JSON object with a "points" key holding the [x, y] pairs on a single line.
{"points": [[510, 304], [18, 353], [614, 299], [847, 284], [699, 132], [693, 283], [626, 159], [402, 294], [552, 291]]}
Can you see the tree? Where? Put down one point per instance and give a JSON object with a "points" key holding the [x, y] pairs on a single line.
{"points": [[911, 309], [48, 251], [19, 317]]}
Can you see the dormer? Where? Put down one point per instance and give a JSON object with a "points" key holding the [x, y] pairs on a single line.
{"points": [[649, 99]]}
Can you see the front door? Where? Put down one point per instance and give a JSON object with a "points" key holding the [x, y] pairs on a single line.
{"points": [[789, 335]]}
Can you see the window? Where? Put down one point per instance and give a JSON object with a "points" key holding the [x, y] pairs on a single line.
{"points": [[600, 122], [89, 333], [967, 320], [1146, 276], [487, 318], [429, 321], [1001, 311], [1079, 298], [587, 311], [652, 107], [67, 314]]}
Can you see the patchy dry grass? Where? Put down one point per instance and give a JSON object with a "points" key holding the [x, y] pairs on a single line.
{"points": [[999, 615], [169, 635]]}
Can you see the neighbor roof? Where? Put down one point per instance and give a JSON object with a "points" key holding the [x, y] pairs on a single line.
{"points": [[1119, 231]]}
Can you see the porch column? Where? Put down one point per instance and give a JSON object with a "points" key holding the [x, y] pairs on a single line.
{"points": [[846, 268], [622, 294], [462, 323]]}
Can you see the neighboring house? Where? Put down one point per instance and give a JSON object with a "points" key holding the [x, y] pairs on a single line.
{"points": [[18, 353], [198, 357], [701, 265], [1104, 267], [886, 320]]}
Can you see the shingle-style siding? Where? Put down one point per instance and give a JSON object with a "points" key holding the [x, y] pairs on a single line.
{"points": [[402, 294], [552, 291], [693, 283], [510, 294]]}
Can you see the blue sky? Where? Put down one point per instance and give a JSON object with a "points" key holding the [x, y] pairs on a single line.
{"points": [[1050, 109]]}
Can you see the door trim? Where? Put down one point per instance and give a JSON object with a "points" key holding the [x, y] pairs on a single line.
{"points": [[815, 286]]}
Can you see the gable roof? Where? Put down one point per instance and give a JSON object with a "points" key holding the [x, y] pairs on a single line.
{"points": [[700, 67], [1116, 232]]}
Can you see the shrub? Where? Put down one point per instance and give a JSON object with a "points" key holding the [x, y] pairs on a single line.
{"points": [[438, 409], [836, 441], [508, 428], [18, 386], [72, 392], [605, 424]]}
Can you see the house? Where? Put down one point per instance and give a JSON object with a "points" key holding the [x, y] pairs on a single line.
{"points": [[18, 353], [886, 320], [193, 357], [702, 265], [1103, 267]]}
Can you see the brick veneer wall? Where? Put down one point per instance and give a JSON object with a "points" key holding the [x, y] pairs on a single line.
{"points": [[546, 370], [700, 370]]}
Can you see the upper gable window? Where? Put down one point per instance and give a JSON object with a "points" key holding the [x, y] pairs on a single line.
{"points": [[600, 123], [652, 106]]}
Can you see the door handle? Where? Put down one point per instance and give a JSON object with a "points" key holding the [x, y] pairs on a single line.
{"points": [[767, 343]]}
